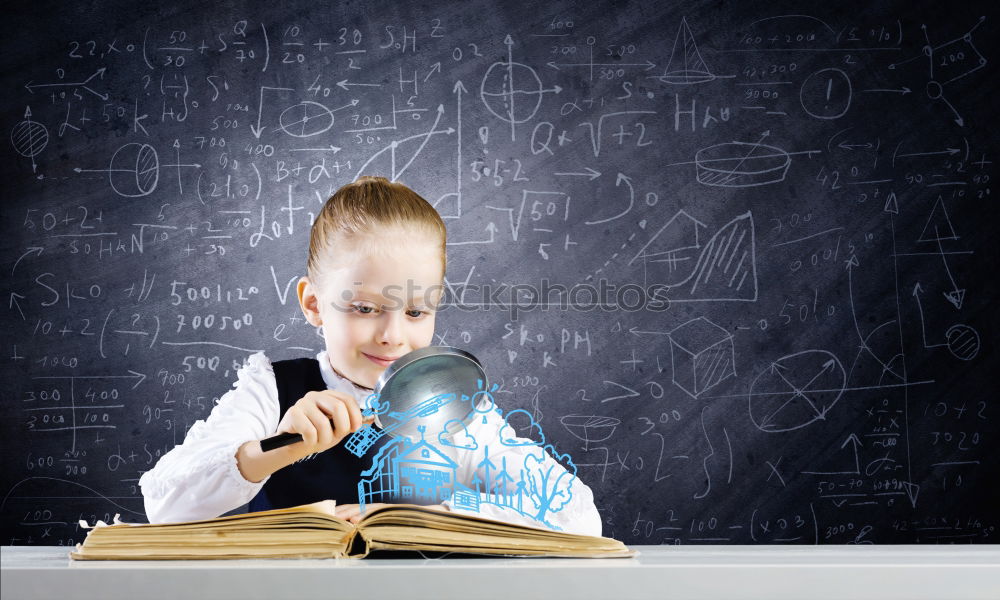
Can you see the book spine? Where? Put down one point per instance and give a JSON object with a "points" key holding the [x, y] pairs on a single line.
{"points": [[357, 544]]}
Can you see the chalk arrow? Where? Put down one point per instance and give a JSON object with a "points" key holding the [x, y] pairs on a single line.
{"points": [[891, 204], [138, 376], [846, 146], [902, 91], [13, 302], [917, 290], [851, 262], [346, 86], [955, 297], [590, 173], [31, 250], [912, 491], [636, 332], [856, 444], [945, 151]]}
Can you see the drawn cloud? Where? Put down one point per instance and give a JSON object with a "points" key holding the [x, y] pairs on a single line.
{"points": [[508, 434], [461, 439]]}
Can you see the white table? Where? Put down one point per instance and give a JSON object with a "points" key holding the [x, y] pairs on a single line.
{"points": [[773, 572]]}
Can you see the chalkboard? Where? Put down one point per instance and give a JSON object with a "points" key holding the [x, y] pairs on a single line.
{"points": [[736, 259]]}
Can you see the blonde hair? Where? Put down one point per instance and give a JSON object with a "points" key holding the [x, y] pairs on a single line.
{"points": [[365, 206]]}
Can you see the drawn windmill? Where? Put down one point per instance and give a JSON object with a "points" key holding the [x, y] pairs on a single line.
{"points": [[500, 486], [686, 66], [520, 492], [486, 464]]}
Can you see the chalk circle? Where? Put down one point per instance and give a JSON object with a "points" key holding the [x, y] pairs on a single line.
{"points": [[306, 119], [134, 170], [741, 164], [826, 94], [29, 138], [796, 390], [963, 342], [502, 95], [934, 90]]}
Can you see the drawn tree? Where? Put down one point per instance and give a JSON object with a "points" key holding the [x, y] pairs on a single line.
{"points": [[548, 481]]}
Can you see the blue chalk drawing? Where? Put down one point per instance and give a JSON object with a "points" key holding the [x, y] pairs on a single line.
{"points": [[456, 435], [507, 436], [407, 472], [549, 492], [539, 484], [363, 439], [484, 397]]}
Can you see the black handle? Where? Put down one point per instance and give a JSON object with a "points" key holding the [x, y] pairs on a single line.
{"points": [[279, 441]]}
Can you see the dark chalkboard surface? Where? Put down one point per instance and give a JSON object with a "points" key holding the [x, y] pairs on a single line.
{"points": [[737, 259]]}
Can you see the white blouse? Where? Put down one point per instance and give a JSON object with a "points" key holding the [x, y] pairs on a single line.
{"points": [[199, 479]]}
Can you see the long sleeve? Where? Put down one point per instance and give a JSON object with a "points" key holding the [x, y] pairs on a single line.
{"points": [[536, 489], [199, 479]]}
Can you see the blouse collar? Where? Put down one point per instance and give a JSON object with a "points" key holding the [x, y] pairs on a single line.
{"points": [[335, 381]]}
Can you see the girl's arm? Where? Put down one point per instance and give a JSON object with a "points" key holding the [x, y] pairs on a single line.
{"points": [[549, 494], [201, 478]]}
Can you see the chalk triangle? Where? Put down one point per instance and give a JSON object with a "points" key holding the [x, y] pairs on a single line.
{"points": [[938, 226], [956, 297], [891, 205]]}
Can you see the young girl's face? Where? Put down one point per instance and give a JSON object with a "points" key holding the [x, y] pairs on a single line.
{"points": [[376, 302]]}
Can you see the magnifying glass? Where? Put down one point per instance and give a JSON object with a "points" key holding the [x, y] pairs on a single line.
{"points": [[434, 389]]}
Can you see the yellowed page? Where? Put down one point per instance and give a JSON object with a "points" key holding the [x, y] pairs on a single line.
{"points": [[408, 526]]}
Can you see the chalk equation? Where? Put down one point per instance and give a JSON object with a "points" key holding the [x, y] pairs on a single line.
{"points": [[737, 263]]}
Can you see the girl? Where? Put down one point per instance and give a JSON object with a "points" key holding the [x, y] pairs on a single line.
{"points": [[374, 277]]}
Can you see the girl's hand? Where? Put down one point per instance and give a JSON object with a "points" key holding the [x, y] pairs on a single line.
{"points": [[352, 512], [323, 419]]}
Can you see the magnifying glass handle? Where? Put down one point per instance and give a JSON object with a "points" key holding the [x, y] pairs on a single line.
{"points": [[283, 439], [279, 441]]}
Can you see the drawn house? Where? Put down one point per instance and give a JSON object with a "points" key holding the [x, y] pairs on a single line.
{"points": [[465, 498], [426, 476], [406, 472]]}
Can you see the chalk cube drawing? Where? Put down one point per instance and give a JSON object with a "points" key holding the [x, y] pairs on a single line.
{"points": [[702, 355]]}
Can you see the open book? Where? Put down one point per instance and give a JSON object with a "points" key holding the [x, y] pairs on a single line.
{"points": [[312, 531]]}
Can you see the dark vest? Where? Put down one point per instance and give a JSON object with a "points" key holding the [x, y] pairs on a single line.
{"points": [[333, 474]]}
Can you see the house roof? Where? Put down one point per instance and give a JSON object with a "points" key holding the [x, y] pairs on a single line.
{"points": [[409, 454], [462, 488]]}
